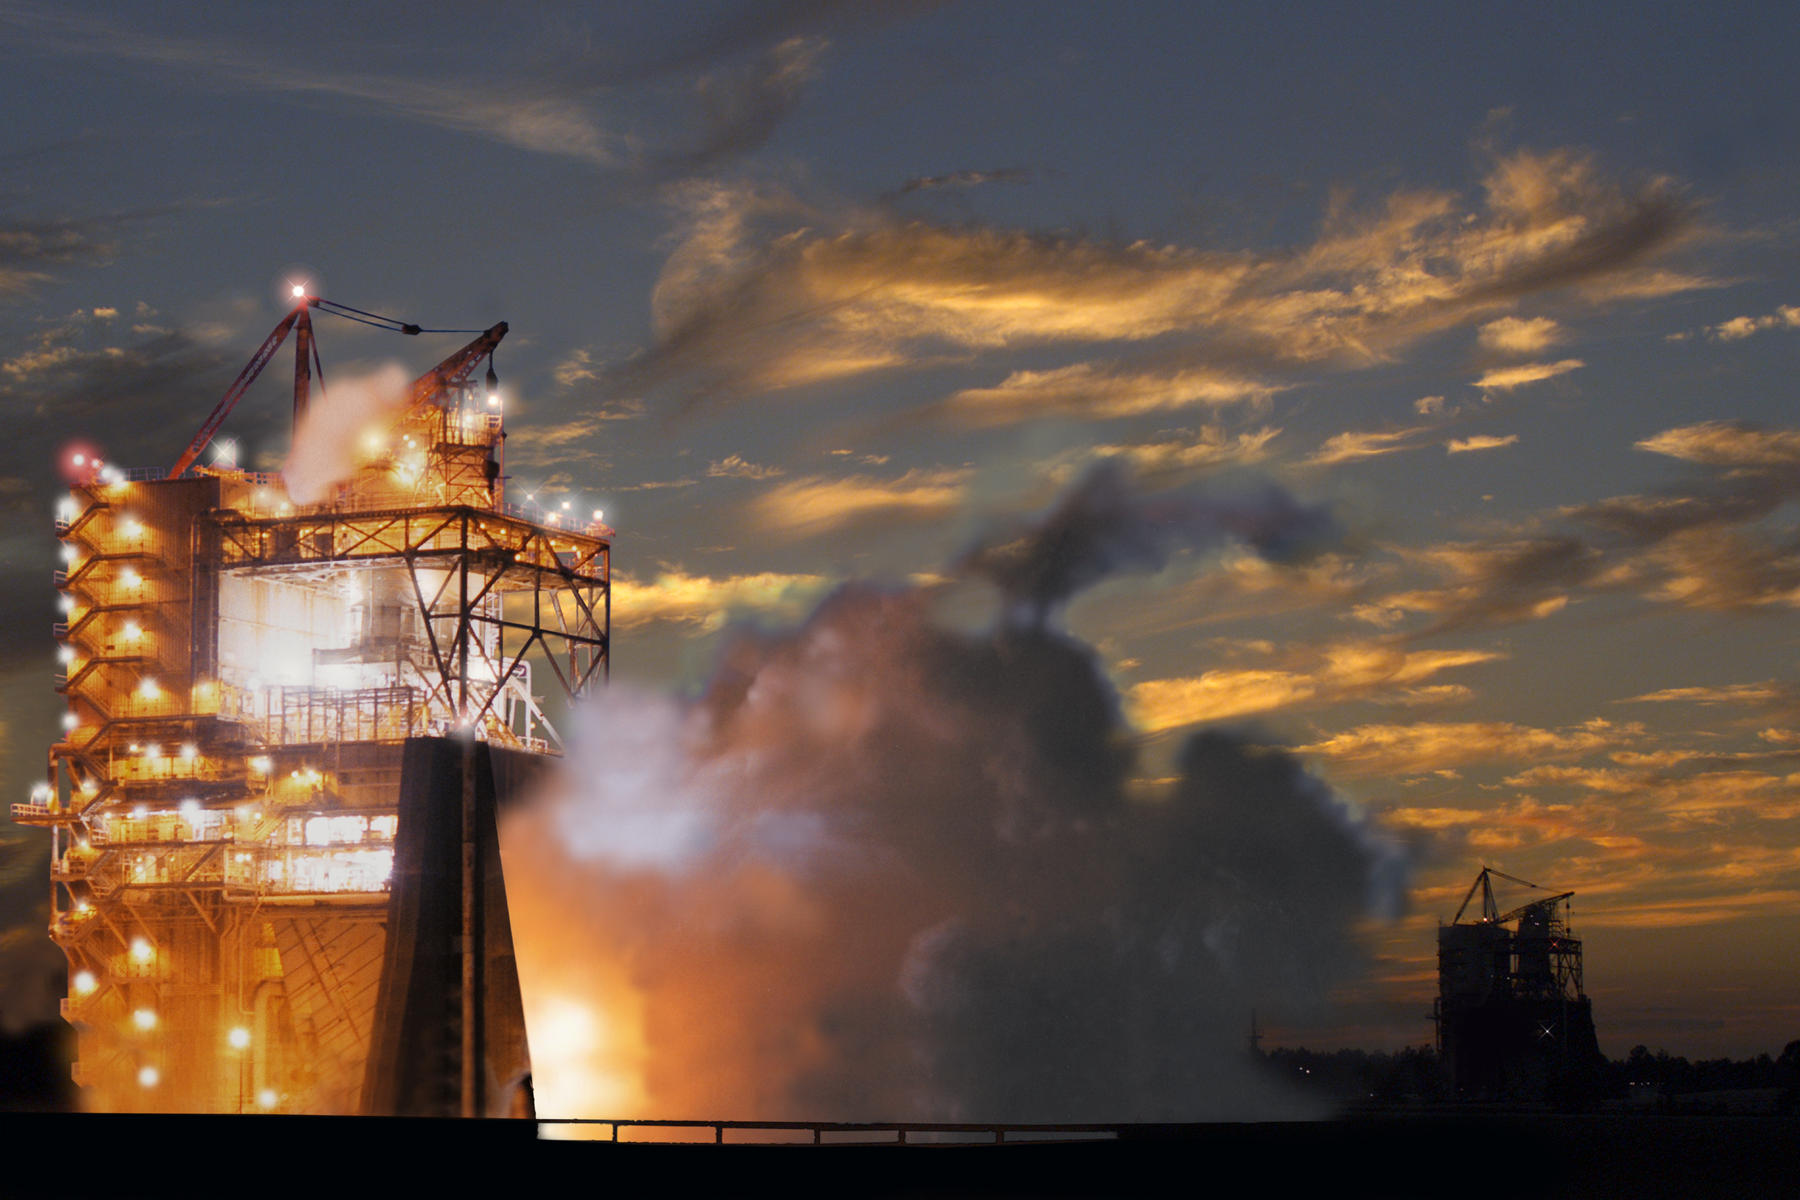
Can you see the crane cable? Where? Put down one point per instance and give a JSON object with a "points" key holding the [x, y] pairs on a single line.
{"points": [[376, 320]]}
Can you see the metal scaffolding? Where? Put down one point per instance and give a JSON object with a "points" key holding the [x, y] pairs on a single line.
{"points": [[1512, 1017], [241, 675]]}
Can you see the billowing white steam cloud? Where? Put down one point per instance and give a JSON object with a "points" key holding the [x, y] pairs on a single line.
{"points": [[880, 869], [334, 424]]}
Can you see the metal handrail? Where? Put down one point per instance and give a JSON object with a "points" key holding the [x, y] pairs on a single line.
{"points": [[900, 1129]]}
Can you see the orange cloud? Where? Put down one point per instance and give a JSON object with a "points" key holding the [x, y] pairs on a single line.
{"points": [[706, 601], [1736, 693], [1428, 746], [1340, 672], [767, 292], [1649, 913], [815, 505], [1504, 379], [1185, 450], [1727, 444], [1353, 445], [1518, 335], [1095, 391], [1479, 442], [1787, 316]]}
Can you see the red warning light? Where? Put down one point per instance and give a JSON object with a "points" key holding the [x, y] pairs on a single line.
{"points": [[79, 462]]}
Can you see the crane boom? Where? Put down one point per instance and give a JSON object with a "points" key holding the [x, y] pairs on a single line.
{"points": [[1491, 911], [1487, 902], [235, 392], [426, 389], [1520, 911], [453, 370]]}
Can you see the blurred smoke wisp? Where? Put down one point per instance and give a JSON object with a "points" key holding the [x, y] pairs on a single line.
{"points": [[1103, 526], [882, 869], [335, 428]]}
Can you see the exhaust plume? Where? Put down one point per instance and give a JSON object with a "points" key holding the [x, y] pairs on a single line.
{"points": [[1102, 526], [334, 424], [881, 869]]}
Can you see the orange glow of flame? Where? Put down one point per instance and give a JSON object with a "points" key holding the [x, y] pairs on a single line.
{"points": [[587, 1051]]}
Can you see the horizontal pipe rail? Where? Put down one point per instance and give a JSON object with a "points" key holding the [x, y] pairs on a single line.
{"points": [[898, 1131]]}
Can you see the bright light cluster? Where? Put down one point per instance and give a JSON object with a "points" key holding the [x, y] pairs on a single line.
{"points": [[323, 871]]}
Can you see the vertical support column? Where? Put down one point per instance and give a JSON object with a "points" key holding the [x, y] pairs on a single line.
{"points": [[471, 940], [302, 361], [463, 624], [471, 943]]}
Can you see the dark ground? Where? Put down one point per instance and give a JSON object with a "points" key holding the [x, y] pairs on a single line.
{"points": [[1411, 1151], [1632, 1157]]}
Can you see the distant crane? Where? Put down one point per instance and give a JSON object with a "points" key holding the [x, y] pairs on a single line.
{"points": [[1512, 1014], [1489, 910], [427, 389]]}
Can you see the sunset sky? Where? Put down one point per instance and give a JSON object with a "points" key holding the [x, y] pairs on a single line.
{"points": [[808, 292]]}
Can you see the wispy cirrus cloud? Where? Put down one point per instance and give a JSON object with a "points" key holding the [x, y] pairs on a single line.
{"points": [[1234, 586], [751, 30], [1520, 335], [1102, 390], [963, 179], [29, 249], [1727, 444], [542, 445], [1356, 445], [1692, 791], [735, 466], [1330, 674], [1767, 692], [1493, 582], [1713, 542], [816, 504], [1422, 747], [740, 86], [547, 123], [1505, 379], [577, 367], [1480, 441], [1650, 912], [1723, 570], [1787, 316], [766, 292], [1191, 449], [705, 602], [742, 107], [80, 367], [124, 392]]}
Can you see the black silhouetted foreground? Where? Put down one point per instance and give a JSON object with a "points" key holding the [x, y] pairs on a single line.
{"points": [[1666, 1128], [1414, 1078], [1541, 1155], [34, 1069]]}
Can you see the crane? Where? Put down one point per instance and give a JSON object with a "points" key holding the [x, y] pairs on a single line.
{"points": [[427, 390], [1490, 911], [455, 370]]}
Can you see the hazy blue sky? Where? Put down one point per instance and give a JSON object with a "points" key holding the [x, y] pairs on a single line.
{"points": [[807, 292]]}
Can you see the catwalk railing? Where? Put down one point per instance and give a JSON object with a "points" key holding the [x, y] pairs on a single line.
{"points": [[821, 1133]]}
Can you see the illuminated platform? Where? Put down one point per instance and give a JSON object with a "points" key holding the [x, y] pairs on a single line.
{"points": [[254, 689]]}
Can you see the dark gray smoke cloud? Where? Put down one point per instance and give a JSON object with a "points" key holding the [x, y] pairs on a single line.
{"points": [[882, 869], [1103, 526]]}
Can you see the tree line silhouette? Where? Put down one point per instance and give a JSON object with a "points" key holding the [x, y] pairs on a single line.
{"points": [[1415, 1076]]}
